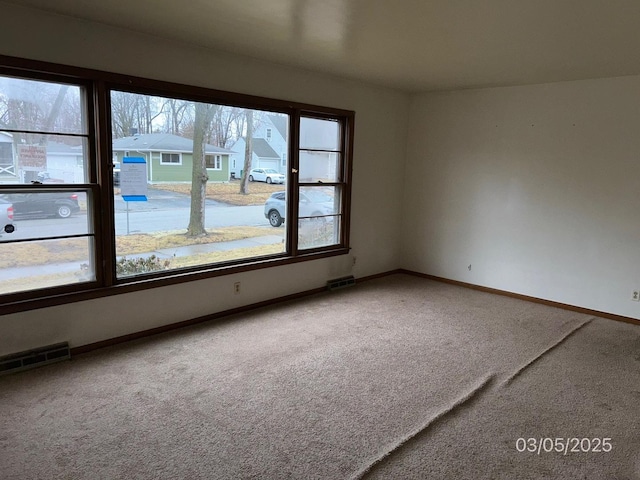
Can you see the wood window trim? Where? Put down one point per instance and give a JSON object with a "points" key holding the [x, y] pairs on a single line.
{"points": [[98, 85]]}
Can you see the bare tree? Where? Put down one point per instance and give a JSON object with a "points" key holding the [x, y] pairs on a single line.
{"points": [[53, 113], [222, 132], [124, 116], [203, 116], [176, 110], [248, 152]]}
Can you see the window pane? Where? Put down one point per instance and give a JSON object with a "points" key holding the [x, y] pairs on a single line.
{"points": [[319, 201], [319, 134], [45, 263], [37, 106], [55, 159], [319, 167], [43, 134], [47, 214], [164, 232], [34, 258], [319, 216], [318, 232]]}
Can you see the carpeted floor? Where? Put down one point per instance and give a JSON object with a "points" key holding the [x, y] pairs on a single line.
{"points": [[396, 378]]}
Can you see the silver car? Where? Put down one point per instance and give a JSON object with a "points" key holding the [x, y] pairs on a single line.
{"points": [[268, 175], [312, 204]]}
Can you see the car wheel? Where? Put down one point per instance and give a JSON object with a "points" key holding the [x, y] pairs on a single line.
{"points": [[251, 178], [275, 219], [268, 179], [63, 211]]}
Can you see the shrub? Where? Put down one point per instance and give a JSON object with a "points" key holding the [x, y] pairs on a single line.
{"points": [[131, 266]]}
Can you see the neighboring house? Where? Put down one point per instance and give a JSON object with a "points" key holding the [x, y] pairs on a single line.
{"points": [[7, 163], [170, 157], [65, 162], [263, 156], [22, 163], [270, 146]]}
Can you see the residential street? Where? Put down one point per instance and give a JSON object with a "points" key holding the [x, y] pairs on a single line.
{"points": [[164, 211]]}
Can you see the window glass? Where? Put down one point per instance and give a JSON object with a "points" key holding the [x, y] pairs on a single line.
{"points": [[47, 230], [319, 166], [321, 191], [43, 132], [201, 210], [319, 134], [53, 240], [197, 187], [168, 157], [37, 106], [319, 217]]}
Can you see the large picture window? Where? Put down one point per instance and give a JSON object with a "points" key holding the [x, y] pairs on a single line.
{"points": [[192, 183]]}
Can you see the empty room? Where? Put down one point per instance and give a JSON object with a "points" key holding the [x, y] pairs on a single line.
{"points": [[346, 239]]}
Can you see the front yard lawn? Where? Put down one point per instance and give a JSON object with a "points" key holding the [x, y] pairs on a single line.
{"points": [[228, 192], [75, 249]]}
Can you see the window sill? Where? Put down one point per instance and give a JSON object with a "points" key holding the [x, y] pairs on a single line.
{"points": [[84, 292]]}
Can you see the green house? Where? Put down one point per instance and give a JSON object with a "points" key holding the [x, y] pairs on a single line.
{"points": [[170, 157]]}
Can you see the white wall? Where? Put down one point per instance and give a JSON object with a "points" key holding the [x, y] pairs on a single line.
{"points": [[380, 141], [536, 187]]}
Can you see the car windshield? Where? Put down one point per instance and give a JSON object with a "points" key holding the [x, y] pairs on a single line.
{"points": [[270, 170]]}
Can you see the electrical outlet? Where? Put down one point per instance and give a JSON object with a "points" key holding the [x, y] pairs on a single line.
{"points": [[236, 288], [635, 295], [469, 267], [354, 261]]}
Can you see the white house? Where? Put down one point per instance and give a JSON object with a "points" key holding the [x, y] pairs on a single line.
{"points": [[270, 146], [22, 163]]}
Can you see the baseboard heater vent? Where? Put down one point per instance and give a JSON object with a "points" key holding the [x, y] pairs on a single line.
{"points": [[17, 362], [341, 283]]}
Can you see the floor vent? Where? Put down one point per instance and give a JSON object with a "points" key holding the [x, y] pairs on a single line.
{"points": [[34, 358], [341, 283]]}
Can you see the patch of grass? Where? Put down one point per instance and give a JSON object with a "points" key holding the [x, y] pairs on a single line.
{"points": [[228, 192], [50, 280], [40, 281], [147, 242], [76, 249], [214, 257], [51, 251]]}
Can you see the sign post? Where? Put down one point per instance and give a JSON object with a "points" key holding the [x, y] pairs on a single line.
{"points": [[133, 181]]}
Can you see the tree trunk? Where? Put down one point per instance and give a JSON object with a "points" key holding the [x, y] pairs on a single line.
{"points": [[53, 114], [248, 152], [199, 175]]}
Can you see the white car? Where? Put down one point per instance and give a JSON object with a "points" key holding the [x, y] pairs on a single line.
{"points": [[268, 175]]}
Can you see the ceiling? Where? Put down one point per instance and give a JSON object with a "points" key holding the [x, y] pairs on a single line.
{"points": [[413, 45]]}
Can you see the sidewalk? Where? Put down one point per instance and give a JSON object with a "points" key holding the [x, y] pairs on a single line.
{"points": [[165, 253]]}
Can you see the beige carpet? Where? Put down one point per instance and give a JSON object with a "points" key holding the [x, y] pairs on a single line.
{"points": [[398, 377]]}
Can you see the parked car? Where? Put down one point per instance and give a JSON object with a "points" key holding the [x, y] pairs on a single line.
{"points": [[41, 205], [268, 175], [312, 204], [6, 217]]}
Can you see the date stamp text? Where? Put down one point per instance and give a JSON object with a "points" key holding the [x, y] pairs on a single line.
{"points": [[563, 445]]}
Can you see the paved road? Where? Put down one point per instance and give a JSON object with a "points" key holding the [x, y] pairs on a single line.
{"points": [[163, 211]]}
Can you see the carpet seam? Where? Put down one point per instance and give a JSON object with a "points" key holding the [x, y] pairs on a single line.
{"points": [[530, 363], [362, 473]]}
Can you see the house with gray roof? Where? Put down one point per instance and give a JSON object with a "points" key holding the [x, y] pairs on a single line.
{"points": [[169, 157], [270, 146]]}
